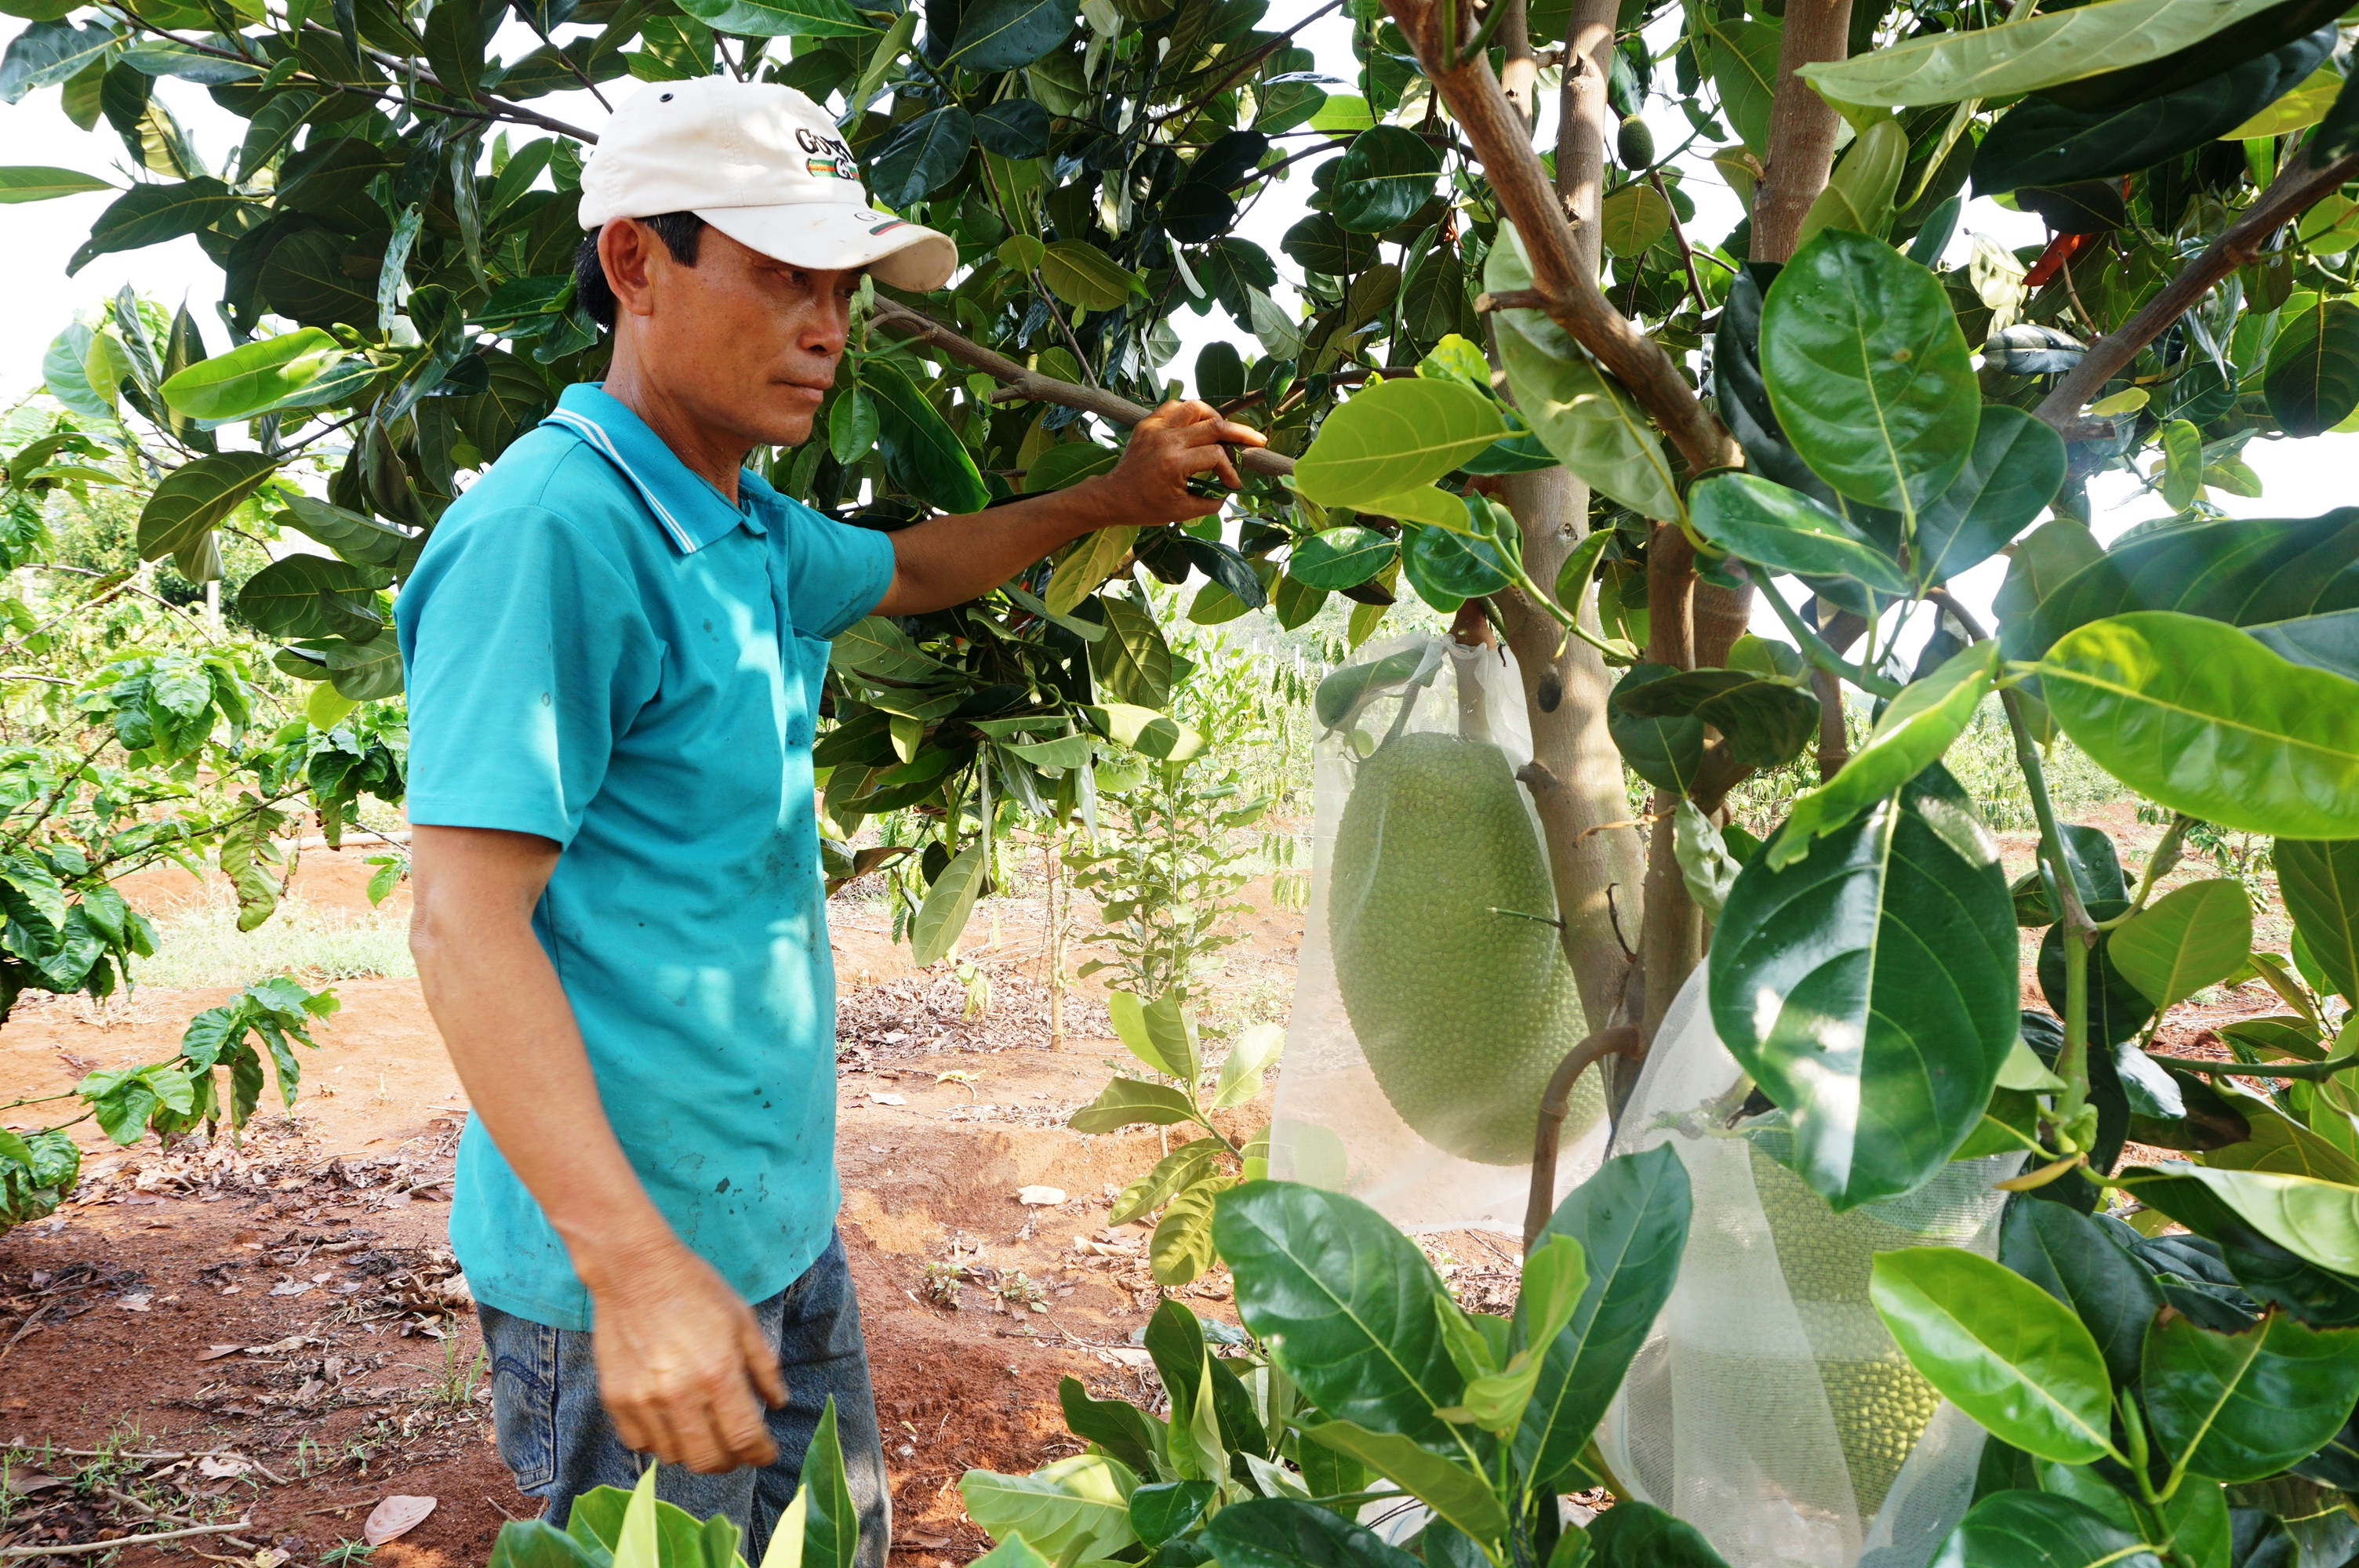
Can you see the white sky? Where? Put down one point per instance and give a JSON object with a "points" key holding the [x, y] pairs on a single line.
{"points": [[2298, 478]]}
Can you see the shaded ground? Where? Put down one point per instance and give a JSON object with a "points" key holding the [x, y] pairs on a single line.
{"points": [[282, 1327]]}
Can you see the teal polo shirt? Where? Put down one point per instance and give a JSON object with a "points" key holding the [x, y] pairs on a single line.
{"points": [[603, 651]]}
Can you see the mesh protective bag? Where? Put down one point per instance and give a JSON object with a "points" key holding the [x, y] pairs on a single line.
{"points": [[1431, 1000], [1769, 1407]]}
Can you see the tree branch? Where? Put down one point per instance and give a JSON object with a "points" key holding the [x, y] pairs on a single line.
{"points": [[1018, 384], [1501, 138], [2295, 189]]}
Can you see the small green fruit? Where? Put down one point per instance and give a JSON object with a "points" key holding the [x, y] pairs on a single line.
{"points": [[1636, 145]]}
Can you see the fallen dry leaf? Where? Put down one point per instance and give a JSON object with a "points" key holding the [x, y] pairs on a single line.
{"points": [[223, 1466], [1041, 1197], [396, 1515], [215, 1352]]}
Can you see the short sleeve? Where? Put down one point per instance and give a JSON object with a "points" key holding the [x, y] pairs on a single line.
{"points": [[527, 654], [836, 573]]}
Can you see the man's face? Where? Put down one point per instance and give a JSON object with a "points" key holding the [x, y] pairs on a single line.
{"points": [[746, 343]]}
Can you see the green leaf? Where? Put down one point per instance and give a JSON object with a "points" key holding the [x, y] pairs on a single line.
{"points": [[2317, 1221], [1284, 1532], [942, 918], [1786, 531], [852, 424], [536, 1543], [1127, 1100], [1078, 273], [1068, 463], [1342, 557], [1130, 1026], [195, 497], [252, 376], [1633, 220], [2241, 1407], [1255, 1053], [2040, 1530], [1665, 750], [921, 453], [1346, 1303], [150, 214], [1583, 418], [1119, 1427], [2312, 380], [1744, 70], [830, 1520], [1395, 436], [2192, 936], [1006, 35], [2319, 884], [1074, 1509], [1387, 175], [26, 182], [1555, 1273], [1089, 564], [1914, 732], [1765, 723], [1176, 1170], [2075, 1259], [2048, 144], [1181, 1247], [1999, 1347], [2206, 720], [923, 154], [2182, 459], [2025, 55], [1870, 988], [1448, 568], [1131, 664], [1631, 1534], [312, 596], [49, 52], [2014, 470], [1452, 1491], [776, 18], [1146, 731], [1868, 371]]}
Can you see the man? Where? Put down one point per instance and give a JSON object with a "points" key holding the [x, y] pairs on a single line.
{"points": [[614, 644]]}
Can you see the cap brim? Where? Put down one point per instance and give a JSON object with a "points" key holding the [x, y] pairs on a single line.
{"points": [[832, 237]]}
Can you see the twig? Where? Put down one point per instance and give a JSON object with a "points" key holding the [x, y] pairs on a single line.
{"points": [[1252, 58], [31, 1321], [15, 1553], [1021, 385], [1686, 252], [1622, 1040], [2295, 188]]}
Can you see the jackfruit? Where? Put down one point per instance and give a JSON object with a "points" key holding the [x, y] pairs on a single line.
{"points": [[1441, 917], [1881, 1404]]}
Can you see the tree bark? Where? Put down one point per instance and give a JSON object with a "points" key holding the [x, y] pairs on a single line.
{"points": [[1802, 129], [1576, 785]]}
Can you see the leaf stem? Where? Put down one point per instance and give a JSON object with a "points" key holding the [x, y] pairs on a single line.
{"points": [[1815, 649], [2079, 932]]}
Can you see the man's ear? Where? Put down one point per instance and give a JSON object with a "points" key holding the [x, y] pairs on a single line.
{"points": [[626, 250]]}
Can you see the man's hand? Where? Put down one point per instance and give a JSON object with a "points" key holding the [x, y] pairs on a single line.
{"points": [[949, 561], [681, 1366], [1150, 485]]}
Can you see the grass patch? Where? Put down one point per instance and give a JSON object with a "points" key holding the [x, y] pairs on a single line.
{"points": [[201, 945]]}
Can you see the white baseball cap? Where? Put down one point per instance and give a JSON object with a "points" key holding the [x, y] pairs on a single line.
{"points": [[764, 165]]}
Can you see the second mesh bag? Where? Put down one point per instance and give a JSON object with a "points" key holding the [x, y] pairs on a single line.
{"points": [[1769, 1407], [1432, 1000]]}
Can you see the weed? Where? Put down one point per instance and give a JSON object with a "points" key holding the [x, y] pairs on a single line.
{"points": [[455, 1388], [345, 1552], [199, 944], [942, 1282], [1018, 1291]]}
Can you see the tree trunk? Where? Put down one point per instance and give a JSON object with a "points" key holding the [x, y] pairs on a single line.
{"points": [[1802, 129], [1577, 781]]}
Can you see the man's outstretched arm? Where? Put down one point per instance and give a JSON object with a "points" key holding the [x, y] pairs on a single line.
{"points": [[681, 1366], [949, 560]]}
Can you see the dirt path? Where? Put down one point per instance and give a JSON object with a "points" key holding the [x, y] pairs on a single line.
{"points": [[290, 1306]]}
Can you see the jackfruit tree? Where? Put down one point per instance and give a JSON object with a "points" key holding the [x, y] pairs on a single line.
{"points": [[1529, 388]]}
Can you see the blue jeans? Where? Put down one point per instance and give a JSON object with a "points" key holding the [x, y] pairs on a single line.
{"points": [[555, 1434]]}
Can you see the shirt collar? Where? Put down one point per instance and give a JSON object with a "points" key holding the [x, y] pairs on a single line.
{"points": [[691, 512]]}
